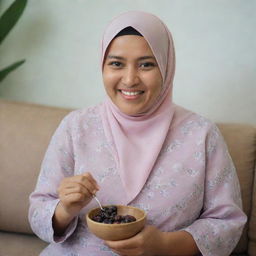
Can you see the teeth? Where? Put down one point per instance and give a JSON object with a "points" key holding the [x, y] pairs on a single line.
{"points": [[131, 93]]}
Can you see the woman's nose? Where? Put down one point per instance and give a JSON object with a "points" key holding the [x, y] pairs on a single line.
{"points": [[130, 77]]}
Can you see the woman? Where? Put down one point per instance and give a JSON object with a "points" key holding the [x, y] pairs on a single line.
{"points": [[141, 149]]}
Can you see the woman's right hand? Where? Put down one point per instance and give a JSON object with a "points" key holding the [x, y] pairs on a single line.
{"points": [[74, 193]]}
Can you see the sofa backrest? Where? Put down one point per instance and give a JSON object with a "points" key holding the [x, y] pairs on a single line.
{"points": [[25, 131], [252, 224], [241, 142]]}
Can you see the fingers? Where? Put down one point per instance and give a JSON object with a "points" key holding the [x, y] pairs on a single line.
{"points": [[139, 244], [73, 198], [82, 183], [92, 181], [123, 245], [124, 252], [130, 243], [77, 188], [127, 252], [74, 188]]}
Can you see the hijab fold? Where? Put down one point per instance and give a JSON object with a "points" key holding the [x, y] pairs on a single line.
{"points": [[136, 141]]}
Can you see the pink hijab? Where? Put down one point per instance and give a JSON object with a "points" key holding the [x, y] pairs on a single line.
{"points": [[137, 140]]}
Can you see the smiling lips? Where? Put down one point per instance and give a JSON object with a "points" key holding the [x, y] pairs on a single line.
{"points": [[131, 95]]}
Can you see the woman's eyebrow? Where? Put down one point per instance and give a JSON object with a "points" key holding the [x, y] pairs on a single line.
{"points": [[121, 58], [115, 57], [146, 57]]}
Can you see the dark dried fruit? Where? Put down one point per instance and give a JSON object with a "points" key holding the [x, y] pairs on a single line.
{"points": [[109, 216], [129, 218]]}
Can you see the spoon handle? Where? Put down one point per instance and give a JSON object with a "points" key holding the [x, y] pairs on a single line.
{"points": [[98, 202]]}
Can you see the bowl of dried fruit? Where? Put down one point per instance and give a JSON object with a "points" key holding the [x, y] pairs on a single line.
{"points": [[115, 222]]}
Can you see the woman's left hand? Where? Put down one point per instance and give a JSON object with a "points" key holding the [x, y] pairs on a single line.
{"points": [[145, 243]]}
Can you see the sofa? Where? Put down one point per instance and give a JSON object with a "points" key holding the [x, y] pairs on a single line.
{"points": [[25, 131]]}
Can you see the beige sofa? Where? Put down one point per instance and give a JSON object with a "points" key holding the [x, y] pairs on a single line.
{"points": [[25, 130]]}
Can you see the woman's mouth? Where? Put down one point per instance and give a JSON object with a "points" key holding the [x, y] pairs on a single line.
{"points": [[131, 95]]}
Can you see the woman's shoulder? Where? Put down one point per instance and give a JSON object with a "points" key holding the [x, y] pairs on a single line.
{"points": [[82, 115], [187, 118]]}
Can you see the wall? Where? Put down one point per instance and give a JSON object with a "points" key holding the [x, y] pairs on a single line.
{"points": [[215, 47]]}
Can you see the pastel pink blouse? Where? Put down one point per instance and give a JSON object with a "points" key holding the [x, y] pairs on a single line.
{"points": [[197, 191]]}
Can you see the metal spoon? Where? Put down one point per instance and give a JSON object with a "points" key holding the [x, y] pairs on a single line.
{"points": [[98, 202]]}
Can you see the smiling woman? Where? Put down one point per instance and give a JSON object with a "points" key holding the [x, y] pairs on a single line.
{"points": [[138, 148]]}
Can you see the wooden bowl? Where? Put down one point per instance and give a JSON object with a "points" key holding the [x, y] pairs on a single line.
{"points": [[121, 231]]}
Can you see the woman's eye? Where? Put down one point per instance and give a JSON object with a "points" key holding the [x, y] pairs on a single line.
{"points": [[115, 64], [147, 65]]}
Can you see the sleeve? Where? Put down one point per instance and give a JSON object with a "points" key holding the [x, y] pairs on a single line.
{"points": [[57, 164], [220, 225]]}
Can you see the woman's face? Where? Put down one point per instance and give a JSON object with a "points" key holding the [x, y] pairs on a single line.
{"points": [[131, 75]]}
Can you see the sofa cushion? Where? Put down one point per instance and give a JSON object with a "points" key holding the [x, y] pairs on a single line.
{"points": [[25, 133], [14, 244], [240, 140]]}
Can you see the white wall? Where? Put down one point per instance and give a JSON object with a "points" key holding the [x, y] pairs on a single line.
{"points": [[215, 47]]}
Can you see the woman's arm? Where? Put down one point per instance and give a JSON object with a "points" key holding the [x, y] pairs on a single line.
{"points": [[74, 192], [57, 164], [219, 227], [61, 219]]}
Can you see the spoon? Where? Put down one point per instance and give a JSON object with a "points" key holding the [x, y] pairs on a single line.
{"points": [[98, 202]]}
